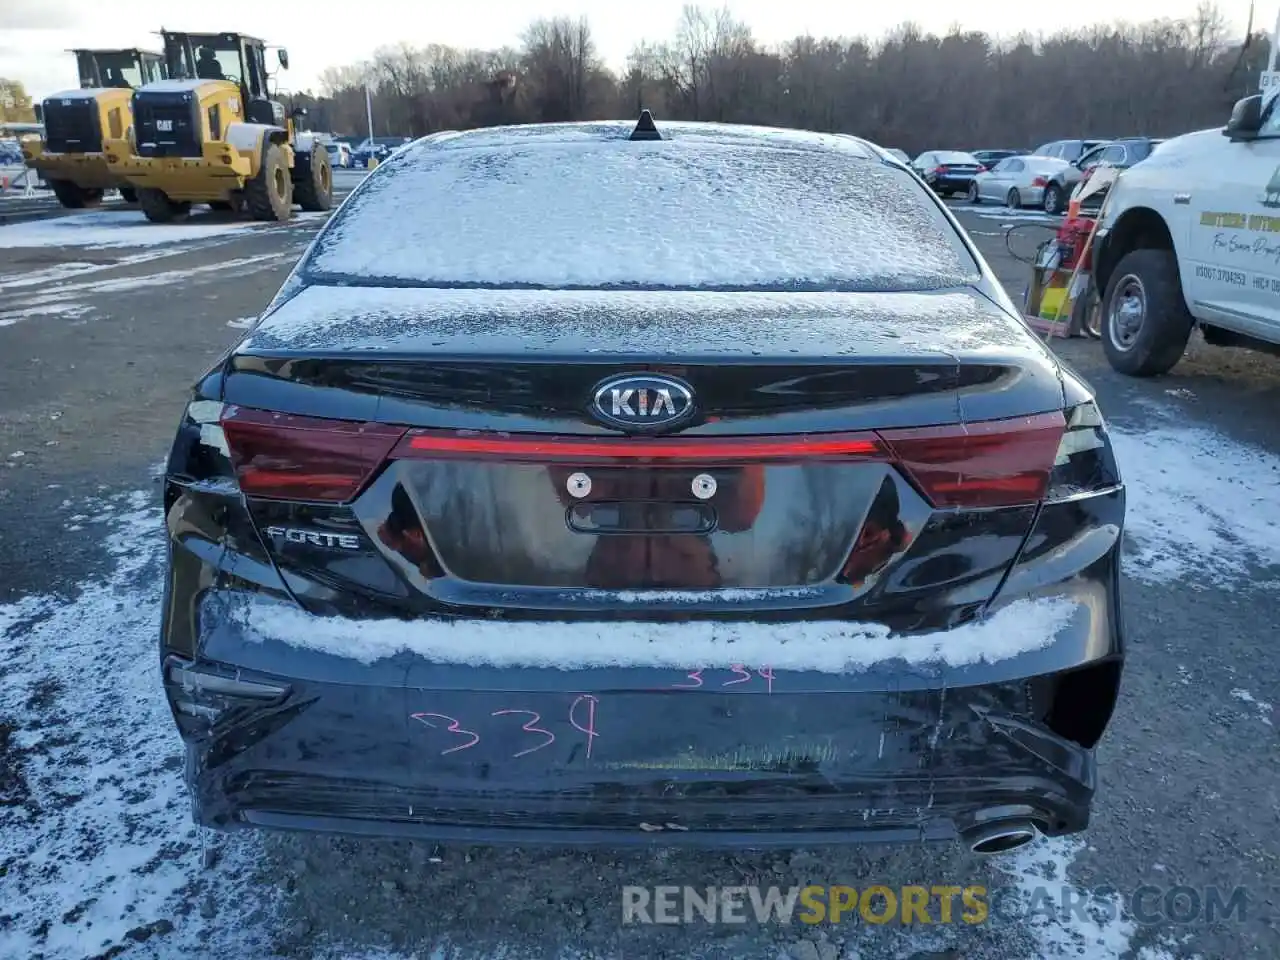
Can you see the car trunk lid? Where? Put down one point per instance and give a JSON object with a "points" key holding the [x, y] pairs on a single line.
{"points": [[829, 429]]}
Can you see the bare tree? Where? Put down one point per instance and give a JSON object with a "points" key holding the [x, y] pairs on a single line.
{"points": [[910, 89]]}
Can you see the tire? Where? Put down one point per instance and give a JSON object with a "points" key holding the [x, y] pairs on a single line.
{"points": [[129, 194], [974, 197], [316, 191], [158, 208], [1085, 315], [269, 195], [73, 196], [222, 206], [1014, 199], [1053, 199], [1145, 287]]}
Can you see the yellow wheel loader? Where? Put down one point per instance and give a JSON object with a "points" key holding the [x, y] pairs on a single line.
{"points": [[211, 133], [69, 156]]}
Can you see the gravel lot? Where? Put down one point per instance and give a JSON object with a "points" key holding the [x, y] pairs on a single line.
{"points": [[103, 324]]}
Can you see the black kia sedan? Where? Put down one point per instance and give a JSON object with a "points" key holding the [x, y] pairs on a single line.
{"points": [[667, 484]]}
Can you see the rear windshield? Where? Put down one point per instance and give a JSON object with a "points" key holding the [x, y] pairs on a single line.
{"points": [[686, 213], [954, 156]]}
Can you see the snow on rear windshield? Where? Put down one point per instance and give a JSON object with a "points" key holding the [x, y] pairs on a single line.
{"points": [[684, 213]]}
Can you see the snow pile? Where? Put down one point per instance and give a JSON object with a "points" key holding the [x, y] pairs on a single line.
{"points": [[97, 847], [565, 209], [1201, 507], [830, 646], [1064, 920], [118, 228]]}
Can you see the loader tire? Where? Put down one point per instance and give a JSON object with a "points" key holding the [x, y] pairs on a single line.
{"points": [[316, 191], [158, 208], [73, 196], [269, 195], [129, 194]]}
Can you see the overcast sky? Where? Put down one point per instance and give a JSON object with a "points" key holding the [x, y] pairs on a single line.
{"points": [[34, 34]]}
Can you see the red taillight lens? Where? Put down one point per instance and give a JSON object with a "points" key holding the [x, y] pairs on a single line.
{"points": [[995, 463], [1039, 182], [302, 458], [532, 448]]}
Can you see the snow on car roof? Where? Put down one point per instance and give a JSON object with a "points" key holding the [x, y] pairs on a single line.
{"points": [[581, 206]]}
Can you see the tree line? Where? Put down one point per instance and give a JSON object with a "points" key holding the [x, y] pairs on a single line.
{"points": [[911, 89]]}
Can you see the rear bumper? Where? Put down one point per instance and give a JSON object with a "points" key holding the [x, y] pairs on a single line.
{"points": [[88, 170], [217, 171], [954, 184], [406, 747]]}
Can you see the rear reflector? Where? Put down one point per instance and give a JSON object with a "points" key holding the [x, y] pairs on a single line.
{"points": [[994, 463], [530, 448], [301, 458]]}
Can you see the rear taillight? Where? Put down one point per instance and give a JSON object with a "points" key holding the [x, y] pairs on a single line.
{"points": [[993, 463], [1039, 182], [285, 457], [1085, 462]]}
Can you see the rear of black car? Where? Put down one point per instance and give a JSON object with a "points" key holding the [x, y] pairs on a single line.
{"points": [[952, 171], [479, 536]]}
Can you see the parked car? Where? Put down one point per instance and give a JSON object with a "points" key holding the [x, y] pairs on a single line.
{"points": [[1122, 153], [989, 158], [1073, 152], [10, 153], [1189, 239], [947, 171], [495, 525], [1068, 150], [1017, 181], [339, 154], [900, 154]]}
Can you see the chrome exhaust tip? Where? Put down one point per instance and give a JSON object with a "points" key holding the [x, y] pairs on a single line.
{"points": [[1001, 838]]}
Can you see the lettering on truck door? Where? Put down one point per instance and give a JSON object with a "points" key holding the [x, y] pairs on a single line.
{"points": [[1235, 233]]}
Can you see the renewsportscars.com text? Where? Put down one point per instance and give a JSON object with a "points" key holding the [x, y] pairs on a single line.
{"points": [[918, 904]]}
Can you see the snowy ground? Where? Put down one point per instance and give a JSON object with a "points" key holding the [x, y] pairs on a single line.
{"points": [[97, 855]]}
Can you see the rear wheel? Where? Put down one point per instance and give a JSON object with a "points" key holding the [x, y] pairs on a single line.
{"points": [[73, 196], [158, 208], [974, 197], [1014, 200], [128, 194], [1145, 320], [269, 195], [1053, 198], [316, 191]]}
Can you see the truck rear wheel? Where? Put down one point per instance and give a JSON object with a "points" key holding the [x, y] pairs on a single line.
{"points": [[269, 195], [73, 196], [315, 192], [128, 194], [1145, 320], [158, 208]]}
